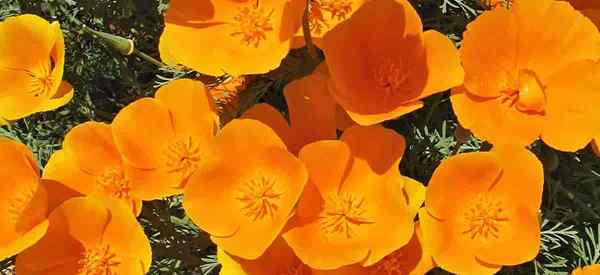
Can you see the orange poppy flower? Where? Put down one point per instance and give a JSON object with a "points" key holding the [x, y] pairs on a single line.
{"points": [[164, 139], [587, 270], [480, 206], [536, 78], [356, 208], [312, 112], [386, 71], [90, 163], [225, 36], [278, 259], [24, 199], [32, 59], [256, 193], [88, 236]]}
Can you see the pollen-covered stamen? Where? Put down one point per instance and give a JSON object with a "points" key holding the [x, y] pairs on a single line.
{"points": [[99, 261], [389, 76], [183, 156], [343, 213], [259, 198], [18, 204], [484, 218], [252, 23], [114, 182]]}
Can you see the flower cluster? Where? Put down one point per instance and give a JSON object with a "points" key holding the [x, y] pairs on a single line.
{"points": [[318, 192]]}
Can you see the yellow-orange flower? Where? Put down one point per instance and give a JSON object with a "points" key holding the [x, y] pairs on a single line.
{"points": [[537, 77], [24, 200], [587, 270], [390, 64], [255, 182], [480, 206], [312, 112], [278, 259], [356, 208], [163, 140], [226, 36], [89, 236], [90, 163], [32, 59]]}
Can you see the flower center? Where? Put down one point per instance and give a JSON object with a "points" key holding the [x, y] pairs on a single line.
{"points": [[42, 80], [19, 203], [484, 219], [528, 96], [183, 157], [259, 198], [99, 261], [252, 24], [389, 76], [343, 213], [114, 182]]}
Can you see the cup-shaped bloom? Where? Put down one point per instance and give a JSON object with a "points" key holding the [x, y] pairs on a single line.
{"points": [[226, 36], [356, 208], [312, 112], [278, 259], [89, 163], [480, 206], [587, 270], [164, 139], [87, 235], [24, 200], [255, 181], [535, 77], [32, 59], [390, 65]]}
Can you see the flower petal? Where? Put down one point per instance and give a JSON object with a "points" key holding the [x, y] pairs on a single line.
{"points": [[495, 121], [381, 148], [25, 41], [63, 95], [443, 63], [92, 146], [143, 149], [270, 116], [572, 114], [458, 179]]}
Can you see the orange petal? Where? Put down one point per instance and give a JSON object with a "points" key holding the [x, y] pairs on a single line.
{"points": [[152, 184], [381, 148], [311, 109], [443, 62], [572, 114], [270, 116], [25, 41], [587, 270], [14, 82], [490, 62], [593, 14], [75, 225], [92, 147], [552, 28], [415, 192], [522, 180], [25, 241], [63, 95], [327, 178], [372, 119], [63, 168], [58, 193], [458, 179], [125, 237], [254, 134], [452, 250], [521, 230], [143, 149], [493, 120], [191, 107], [286, 261], [343, 120]]}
